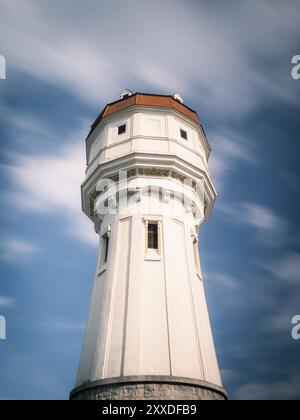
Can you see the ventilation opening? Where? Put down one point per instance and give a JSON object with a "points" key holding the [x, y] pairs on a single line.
{"points": [[122, 129], [183, 134]]}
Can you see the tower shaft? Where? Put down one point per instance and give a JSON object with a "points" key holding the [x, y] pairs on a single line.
{"points": [[148, 334]]}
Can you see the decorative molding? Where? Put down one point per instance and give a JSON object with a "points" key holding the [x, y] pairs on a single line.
{"points": [[153, 172], [141, 165], [146, 172]]}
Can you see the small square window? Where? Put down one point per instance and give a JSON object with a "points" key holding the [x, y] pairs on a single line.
{"points": [[122, 129], [183, 134]]}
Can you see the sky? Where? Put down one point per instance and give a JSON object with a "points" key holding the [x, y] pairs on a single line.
{"points": [[231, 62]]}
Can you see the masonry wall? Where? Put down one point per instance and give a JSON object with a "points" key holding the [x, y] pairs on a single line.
{"points": [[151, 391]]}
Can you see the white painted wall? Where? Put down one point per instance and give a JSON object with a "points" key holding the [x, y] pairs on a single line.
{"points": [[155, 320], [150, 131], [148, 314]]}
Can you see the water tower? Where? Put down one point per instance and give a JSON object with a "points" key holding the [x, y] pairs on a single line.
{"points": [[147, 191]]}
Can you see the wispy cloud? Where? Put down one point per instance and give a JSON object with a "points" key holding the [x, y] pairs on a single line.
{"points": [[223, 280], [278, 323], [222, 59], [15, 251], [285, 274], [215, 59], [50, 182], [63, 326], [262, 217], [227, 152], [6, 302], [287, 268], [23, 123], [230, 375], [277, 390], [267, 224]]}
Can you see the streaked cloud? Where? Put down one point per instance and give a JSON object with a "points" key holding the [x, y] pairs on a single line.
{"points": [[83, 54], [286, 268], [229, 375], [63, 326], [279, 322], [15, 251], [223, 280], [262, 217], [50, 183], [228, 150], [23, 123], [287, 389], [235, 77], [6, 302], [285, 274], [267, 224]]}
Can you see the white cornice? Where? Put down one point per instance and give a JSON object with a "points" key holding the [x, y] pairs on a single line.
{"points": [[146, 160]]}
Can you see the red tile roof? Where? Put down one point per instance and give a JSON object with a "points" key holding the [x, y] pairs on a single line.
{"points": [[146, 99]]}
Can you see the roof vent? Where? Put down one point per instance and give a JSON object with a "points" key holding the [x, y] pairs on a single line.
{"points": [[125, 94], [178, 98]]}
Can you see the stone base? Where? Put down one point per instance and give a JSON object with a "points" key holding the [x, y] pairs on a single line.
{"points": [[148, 388]]}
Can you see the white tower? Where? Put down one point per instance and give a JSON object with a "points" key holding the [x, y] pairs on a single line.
{"points": [[147, 191]]}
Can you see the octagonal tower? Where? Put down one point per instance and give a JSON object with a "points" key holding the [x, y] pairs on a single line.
{"points": [[147, 191]]}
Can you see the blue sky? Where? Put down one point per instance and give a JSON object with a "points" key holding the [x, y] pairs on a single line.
{"points": [[231, 63]]}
